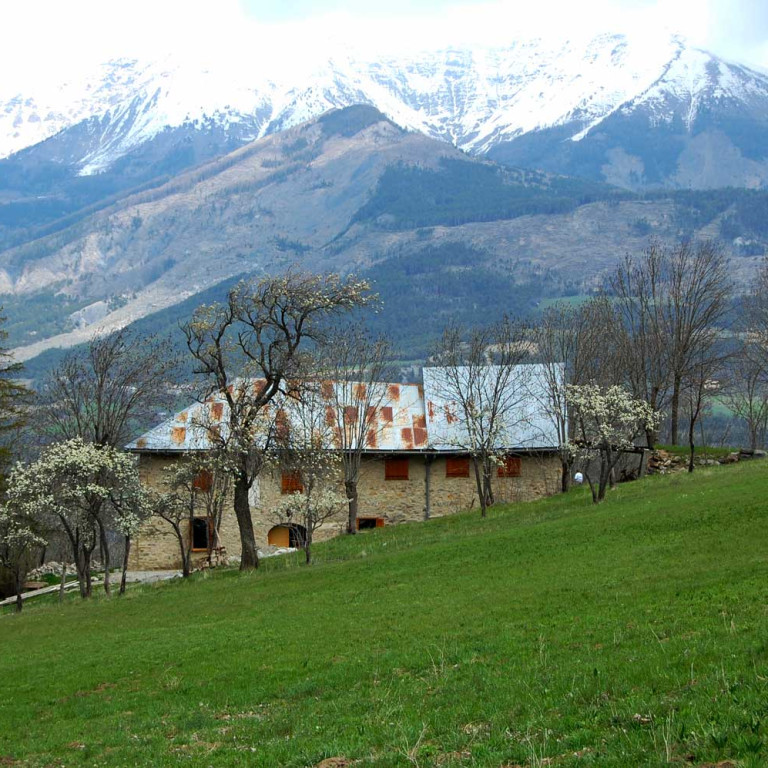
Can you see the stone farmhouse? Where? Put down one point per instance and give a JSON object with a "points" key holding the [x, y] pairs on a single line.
{"points": [[414, 466]]}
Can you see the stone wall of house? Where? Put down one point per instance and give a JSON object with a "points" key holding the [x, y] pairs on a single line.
{"points": [[395, 501]]}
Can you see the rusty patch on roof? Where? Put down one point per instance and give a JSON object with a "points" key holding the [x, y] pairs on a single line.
{"points": [[370, 438], [406, 433], [282, 427], [419, 436], [214, 434], [358, 391], [337, 437], [350, 414], [330, 416], [326, 389], [141, 442], [393, 392], [431, 409], [419, 421], [450, 415], [217, 410], [182, 417], [178, 434], [386, 414]]}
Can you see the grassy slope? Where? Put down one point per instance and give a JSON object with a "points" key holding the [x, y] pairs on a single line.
{"points": [[623, 635]]}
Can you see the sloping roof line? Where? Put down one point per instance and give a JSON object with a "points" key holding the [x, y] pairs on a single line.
{"points": [[410, 417]]}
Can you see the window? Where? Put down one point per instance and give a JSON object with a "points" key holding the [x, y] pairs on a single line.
{"points": [[395, 469], [201, 533], [510, 467], [366, 523], [457, 467], [291, 483]]}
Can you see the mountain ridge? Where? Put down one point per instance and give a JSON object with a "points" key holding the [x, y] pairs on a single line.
{"points": [[443, 234], [484, 101]]}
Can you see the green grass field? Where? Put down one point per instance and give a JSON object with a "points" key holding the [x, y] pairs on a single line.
{"points": [[550, 634]]}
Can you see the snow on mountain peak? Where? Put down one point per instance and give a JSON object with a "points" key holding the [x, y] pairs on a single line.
{"points": [[473, 98]]}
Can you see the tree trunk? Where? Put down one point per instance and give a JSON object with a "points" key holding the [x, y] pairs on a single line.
{"points": [[565, 474], [88, 579], [249, 557], [104, 544], [83, 568], [350, 487], [126, 554], [308, 546], [488, 468], [184, 550], [19, 589], [480, 489], [606, 467], [674, 417], [63, 581], [691, 428]]}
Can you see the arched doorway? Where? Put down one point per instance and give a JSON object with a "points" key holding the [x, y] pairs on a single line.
{"points": [[291, 535]]}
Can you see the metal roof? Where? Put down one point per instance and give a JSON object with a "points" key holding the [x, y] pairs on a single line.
{"points": [[400, 421], [406, 419], [528, 424]]}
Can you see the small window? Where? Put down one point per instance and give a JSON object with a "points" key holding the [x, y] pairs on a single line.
{"points": [[366, 523], [510, 467], [201, 534], [457, 467], [291, 483], [395, 469]]}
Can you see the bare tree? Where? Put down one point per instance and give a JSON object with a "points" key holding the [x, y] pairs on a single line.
{"points": [[575, 345], [671, 303], [305, 449], [697, 390], [746, 393], [176, 506], [248, 349], [105, 391], [356, 366], [478, 377]]}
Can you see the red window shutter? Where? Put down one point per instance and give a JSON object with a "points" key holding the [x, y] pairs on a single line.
{"points": [[395, 469], [203, 481], [511, 467], [457, 467], [291, 483]]}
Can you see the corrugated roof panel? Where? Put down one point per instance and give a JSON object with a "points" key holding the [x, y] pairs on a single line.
{"points": [[195, 428], [409, 417], [528, 424]]}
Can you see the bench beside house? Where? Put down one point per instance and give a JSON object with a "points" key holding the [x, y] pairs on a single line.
{"points": [[410, 472]]}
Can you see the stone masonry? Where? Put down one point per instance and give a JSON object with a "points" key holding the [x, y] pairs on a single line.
{"points": [[394, 501]]}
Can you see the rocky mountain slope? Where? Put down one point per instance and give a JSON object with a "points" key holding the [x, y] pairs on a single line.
{"points": [[442, 234], [617, 108]]}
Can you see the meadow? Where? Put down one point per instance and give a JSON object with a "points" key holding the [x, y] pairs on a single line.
{"points": [[552, 633]]}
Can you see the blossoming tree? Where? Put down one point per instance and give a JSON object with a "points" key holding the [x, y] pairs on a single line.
{"points": [[608, 421], [83, 490]]}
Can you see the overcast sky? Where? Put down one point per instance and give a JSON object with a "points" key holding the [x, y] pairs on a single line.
{"points": [[42, 34]]}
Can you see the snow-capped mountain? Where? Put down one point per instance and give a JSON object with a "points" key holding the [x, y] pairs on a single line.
{"points": [[531, 103]]}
